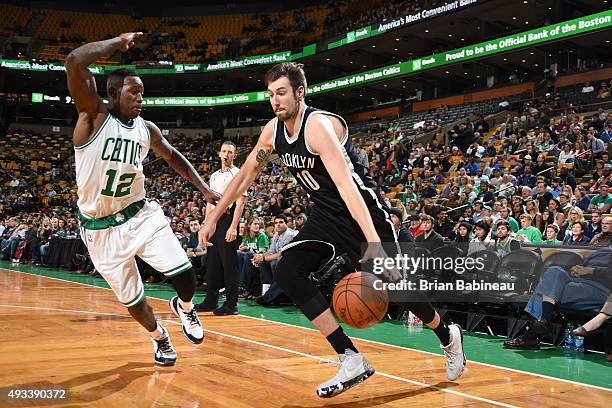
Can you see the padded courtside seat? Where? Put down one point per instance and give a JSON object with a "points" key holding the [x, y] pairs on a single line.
{"points": [[564, 259]]}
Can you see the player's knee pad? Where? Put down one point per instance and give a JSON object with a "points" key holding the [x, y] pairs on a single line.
{"points": [[185, 284]]}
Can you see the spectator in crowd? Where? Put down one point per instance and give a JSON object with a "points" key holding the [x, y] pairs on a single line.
{"points": [[443, 225], [403, 235], [505, 241], [482, 238], [416, 227], [12, 237], [254, 241], [602, 201], [550, 235], [194, 251], [580, 283], [528, 232], [464, 230], [577, 236], [428, 239], [266, 261], [300, 220], [605, 236]]}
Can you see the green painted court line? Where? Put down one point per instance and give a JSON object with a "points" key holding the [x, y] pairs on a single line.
{"points": [[588, 368]]}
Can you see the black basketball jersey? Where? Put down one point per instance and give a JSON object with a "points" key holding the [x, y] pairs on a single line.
{"points": [[309, 171]]}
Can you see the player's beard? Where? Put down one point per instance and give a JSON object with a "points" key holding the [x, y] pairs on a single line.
{"points": [[288, 113]]}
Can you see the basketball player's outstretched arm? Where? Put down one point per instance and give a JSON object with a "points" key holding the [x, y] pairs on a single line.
{"points": [[179, 163], [255, 162], [82, 84]]}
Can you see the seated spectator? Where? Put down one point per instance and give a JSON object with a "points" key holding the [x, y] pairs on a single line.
{"points": [[11, 238], [504, 214], [253, 241], [588, 88], [595, 145], [416, 227], [482, 238], [567, 155], [194, 251], [45, 237], [31, 243], [605, 236], [403, 235], [464, 230], [602, 201], [582, 201], [428, 239], [444, 226], [577, 236], [267, 261], [550, 235], [505, 241], [528, 232], [606, 134], [588, 284], [603, 91], [300, 220], [594, 226]]}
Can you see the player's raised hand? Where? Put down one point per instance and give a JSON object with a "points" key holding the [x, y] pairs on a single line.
{"points": [[206, 232], [128, 40]]}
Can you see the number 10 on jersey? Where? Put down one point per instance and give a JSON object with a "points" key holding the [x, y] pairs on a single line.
{"points": [[306, 179]]}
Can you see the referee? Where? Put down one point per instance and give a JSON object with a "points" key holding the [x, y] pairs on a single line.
{"points": [[222, 259]]}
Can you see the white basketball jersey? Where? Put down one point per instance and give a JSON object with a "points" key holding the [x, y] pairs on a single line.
{"points": [[109, 167]]}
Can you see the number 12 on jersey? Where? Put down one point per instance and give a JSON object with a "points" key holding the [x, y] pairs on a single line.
{"points": [[306, 178], [123, 188]]}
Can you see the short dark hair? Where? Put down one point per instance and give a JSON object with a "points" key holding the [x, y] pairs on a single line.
{"points": [[281, 217], [426, 217], [554, 227], [483, 225], [292, 70], [115, 77], [503, 223]]}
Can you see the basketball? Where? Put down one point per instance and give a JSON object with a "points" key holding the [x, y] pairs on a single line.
{"points": [[357, 303]]}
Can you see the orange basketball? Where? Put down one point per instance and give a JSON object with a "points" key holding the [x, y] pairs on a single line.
{"points": [[357, 303]]}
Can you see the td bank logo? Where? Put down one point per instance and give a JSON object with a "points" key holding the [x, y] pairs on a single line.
{"points": [[178, 67], [37, 97], [350, 37], [261, 96], [416, 65]]}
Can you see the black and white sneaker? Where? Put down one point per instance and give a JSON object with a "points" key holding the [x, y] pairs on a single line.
{"points": [[164, 352], [354, 368], [192, 328]]}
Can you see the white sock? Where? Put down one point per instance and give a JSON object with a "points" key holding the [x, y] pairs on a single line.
{"points": [[186, 306], [158, 333]]}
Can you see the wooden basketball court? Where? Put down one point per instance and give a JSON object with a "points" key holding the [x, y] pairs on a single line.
{"points": [[62, 335]]}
